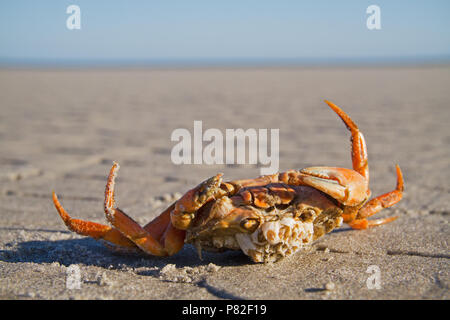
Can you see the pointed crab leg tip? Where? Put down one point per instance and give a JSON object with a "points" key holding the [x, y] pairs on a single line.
{"points": [[62, 213], [400, 181], [334, 107], [54, 196], [331, 105]]}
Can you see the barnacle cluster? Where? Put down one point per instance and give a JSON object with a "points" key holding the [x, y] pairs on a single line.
{"points": [[264, 234], [276, 239]]}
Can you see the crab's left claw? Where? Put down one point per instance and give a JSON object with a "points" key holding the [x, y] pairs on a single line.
{"points": [[194, 199]]}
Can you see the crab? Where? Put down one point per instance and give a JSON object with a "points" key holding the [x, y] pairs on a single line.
{"points": [[268, 218]]}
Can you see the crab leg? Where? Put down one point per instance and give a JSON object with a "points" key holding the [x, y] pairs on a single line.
{"points": [[157, 226], [260, 181], [361, 224], [377, 204], [95, 230], [349, 187], [359, 149], [149, 238], [185, 208]]}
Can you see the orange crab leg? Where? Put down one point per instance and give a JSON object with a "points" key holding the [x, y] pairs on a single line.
{"points": [[349, 187], [162, 229], [359, 149], [133, 231], [158, 226], [185, 208], [147, 238], [361, 224], [92, 229], [386, 200], [173, 239], [377, 204], [260, 181], [158, 237]]}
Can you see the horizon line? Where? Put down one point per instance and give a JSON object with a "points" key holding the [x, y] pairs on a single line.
{"points": [[11, 62]]}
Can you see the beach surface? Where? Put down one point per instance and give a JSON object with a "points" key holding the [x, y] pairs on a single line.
{"points": [[62, 129]]}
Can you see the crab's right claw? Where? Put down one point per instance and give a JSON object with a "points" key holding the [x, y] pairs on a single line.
{"points": [[185, 208], [347, 186]]}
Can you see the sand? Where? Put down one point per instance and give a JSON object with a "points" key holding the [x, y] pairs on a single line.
{"points": [[62, 129]]}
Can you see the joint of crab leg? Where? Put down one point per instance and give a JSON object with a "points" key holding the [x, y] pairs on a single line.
{"points": [[130, 229], [87, 228], [359, 149], [385, 200], [185, 208], [133, 231], [92, 229]]}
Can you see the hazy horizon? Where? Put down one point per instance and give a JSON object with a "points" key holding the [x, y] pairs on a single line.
{"points": [[226, 62], [223, 33]]}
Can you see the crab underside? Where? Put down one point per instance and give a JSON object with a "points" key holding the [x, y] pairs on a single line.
{"points": [[282, 230], [268, 217]]}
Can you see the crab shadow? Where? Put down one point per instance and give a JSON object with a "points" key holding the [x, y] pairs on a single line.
{"points": [[89, 252]]}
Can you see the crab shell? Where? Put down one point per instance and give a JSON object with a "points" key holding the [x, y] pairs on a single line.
{"points": [[266, 222]]}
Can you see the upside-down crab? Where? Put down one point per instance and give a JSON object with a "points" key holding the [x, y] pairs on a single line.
{"points": [[268, 218]]}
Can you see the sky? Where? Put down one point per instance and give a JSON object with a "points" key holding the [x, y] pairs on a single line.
{"points": [[229, 30]]}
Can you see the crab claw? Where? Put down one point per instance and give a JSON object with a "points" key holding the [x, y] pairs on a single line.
{"points": [[347, 186], [194, 199]]}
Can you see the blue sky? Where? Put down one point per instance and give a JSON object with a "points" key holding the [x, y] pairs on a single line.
{"points": [[222, 30]]}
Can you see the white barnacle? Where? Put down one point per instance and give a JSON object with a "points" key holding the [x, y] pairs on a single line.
{"points": [[271, 231], [276, 239]]}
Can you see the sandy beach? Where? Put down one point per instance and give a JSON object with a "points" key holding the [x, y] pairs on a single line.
{"points": [[62, 129]]}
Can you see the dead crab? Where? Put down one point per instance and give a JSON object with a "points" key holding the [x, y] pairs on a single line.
{"points": [[268, 218]]}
